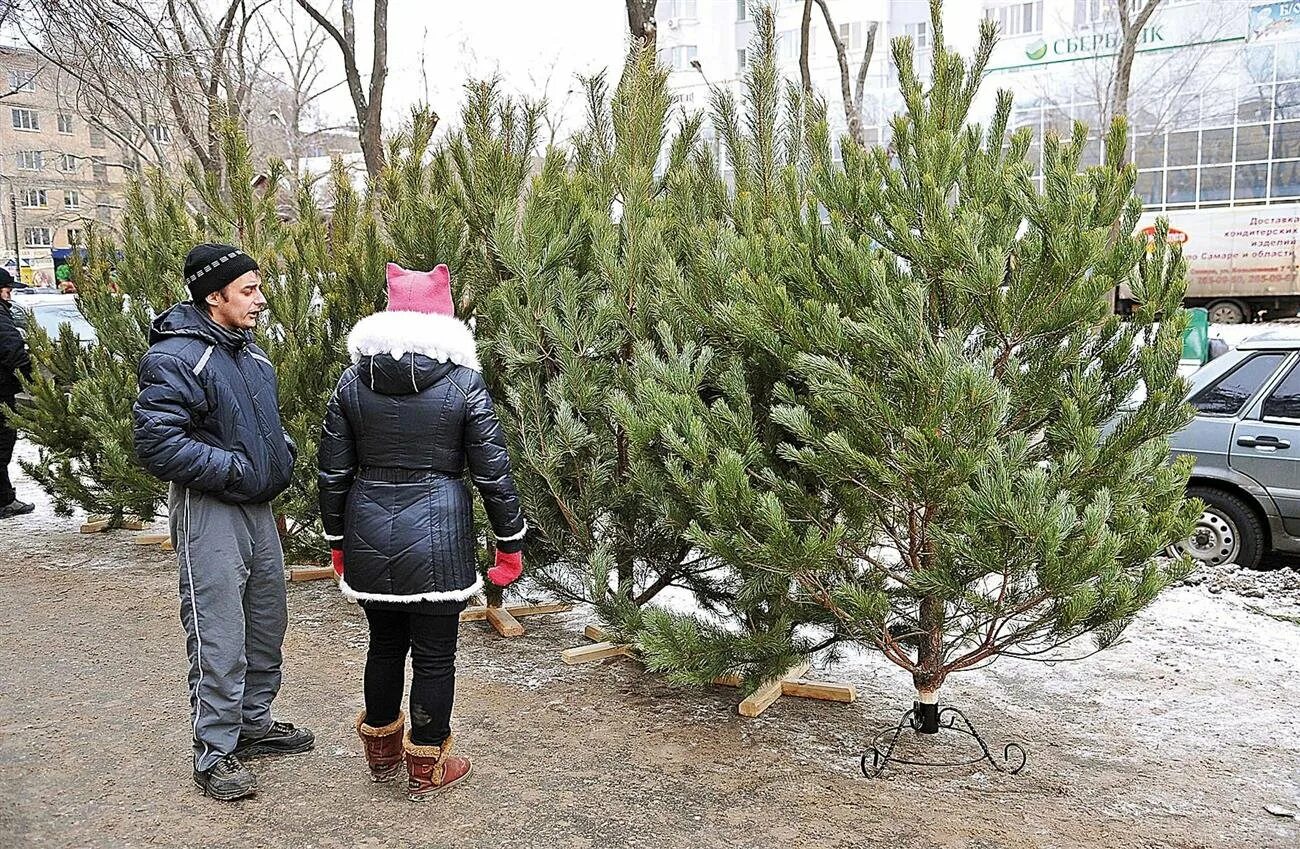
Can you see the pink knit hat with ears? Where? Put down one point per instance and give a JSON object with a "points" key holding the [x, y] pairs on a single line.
{"points": [[419, 291]]}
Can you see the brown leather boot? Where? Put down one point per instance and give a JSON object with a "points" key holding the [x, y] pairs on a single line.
{"points": [[432, 770], [383, 746]]}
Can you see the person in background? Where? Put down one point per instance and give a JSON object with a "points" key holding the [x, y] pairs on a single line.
{"points": [[14, 361], [208, 421], [404, 423]]}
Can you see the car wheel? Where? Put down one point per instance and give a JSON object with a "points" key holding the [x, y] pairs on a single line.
{"points": [[1228, 312], [1228, 531]]}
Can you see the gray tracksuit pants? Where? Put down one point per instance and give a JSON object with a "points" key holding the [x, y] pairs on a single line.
{"points": [[233, 610]]}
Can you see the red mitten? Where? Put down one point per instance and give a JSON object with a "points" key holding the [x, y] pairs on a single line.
{"points": [[336, 554], [508, 569]]}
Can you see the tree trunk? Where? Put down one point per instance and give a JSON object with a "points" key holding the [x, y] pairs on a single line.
{"points": [[1130, 30], [641, 22], [369, 105], [805, 75], [930, 673]]}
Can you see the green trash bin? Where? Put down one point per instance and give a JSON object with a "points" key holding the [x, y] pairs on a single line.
{"points": [[1196, 338]]}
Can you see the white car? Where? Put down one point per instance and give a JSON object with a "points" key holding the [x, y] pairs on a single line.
{"points": [[51, 312]]}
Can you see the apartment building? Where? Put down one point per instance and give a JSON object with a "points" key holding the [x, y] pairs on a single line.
{"points": [[59, 170]]}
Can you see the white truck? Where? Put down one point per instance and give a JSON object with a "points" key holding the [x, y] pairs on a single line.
{"points": [[1242, 262]]}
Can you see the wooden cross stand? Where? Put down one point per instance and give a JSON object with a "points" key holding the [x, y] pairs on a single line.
{"points": [[505, 619], [792, 683]]}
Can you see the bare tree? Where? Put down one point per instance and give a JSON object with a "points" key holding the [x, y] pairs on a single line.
{"points": [[851, 96], [368, 103], [1130, 27], [641, 22], [125, 66], [285, 108]]}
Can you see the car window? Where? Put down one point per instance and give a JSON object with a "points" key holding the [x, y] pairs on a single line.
{"points": [[1284, 401], [1227, 395], [52, 316]]}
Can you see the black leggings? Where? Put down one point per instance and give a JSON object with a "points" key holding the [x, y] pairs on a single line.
{"points": [[431, 640]]}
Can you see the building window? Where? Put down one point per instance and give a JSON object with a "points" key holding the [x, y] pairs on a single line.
{"points": [[33, 198], [100, 170], [672, 9], [97, 137], [742, 59], [919, 32], [160, 133], [65, 123], [25, 119], [1216, 184], [1017, 18], [851, 36], [1286, 179], [21, 80], [72, 199], [742, 10], [31, 160], [74, 235], [787, 45], [1250, 181], [38, 237], [678, 58], [68, 163], [103, 213], [1181, 187]]}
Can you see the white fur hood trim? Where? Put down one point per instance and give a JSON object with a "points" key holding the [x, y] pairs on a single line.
{"points": [[440, 337], [447, 595]]}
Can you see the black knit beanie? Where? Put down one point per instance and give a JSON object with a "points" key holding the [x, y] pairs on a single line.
{"points": [[209, 267]]}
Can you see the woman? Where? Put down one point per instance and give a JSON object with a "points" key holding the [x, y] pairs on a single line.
{"points": [[407, 418]]}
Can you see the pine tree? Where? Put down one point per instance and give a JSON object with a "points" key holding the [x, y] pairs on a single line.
{"points": [[80, 418], [576, 259], [321, 274], [952, 472], [700, 411]]}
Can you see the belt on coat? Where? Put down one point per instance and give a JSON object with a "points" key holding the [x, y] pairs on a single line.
{"points": [[395, 474]]}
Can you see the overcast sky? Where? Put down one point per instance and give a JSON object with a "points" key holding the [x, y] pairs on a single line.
{"points": [[524, 41]]}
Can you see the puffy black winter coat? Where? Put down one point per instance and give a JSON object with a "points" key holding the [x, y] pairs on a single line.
{"points": [[208, 416], [406, 420], [13, 353]]}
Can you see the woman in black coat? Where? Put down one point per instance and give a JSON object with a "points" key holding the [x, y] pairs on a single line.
{"points": [[407, 419]]}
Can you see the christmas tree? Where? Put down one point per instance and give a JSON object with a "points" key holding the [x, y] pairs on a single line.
{"points": [[926, 444], [321, 274], [577, 259]]}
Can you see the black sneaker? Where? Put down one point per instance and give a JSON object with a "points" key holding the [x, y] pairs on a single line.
{"points": [[226, 780], [281, 739], [16, 508]]}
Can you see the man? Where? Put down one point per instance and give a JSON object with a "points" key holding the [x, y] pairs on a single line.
{"points": [[13, 361], [207, 420]]}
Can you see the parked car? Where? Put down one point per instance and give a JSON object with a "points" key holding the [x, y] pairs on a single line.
{"points": [[53, 311], [1245, 440]]}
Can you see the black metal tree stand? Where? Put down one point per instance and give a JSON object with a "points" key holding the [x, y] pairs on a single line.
{"points": [[930, 718]]}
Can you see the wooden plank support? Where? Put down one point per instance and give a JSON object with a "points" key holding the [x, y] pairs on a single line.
{"points": [[480, 612], [762, 698], [133, 525], [94, 526], [505, 624], [596, 651], [152, 539], [791, 684], [310, 573], [167, 545], [826, 691]]}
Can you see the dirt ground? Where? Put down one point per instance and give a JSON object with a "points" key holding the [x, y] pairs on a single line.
{"points": [[1177, 738]]}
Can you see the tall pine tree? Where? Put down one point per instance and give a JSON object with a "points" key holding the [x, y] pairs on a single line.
{"points": [[954, 474]]}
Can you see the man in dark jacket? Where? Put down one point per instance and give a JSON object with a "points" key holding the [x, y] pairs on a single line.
{"points": [[208, 421], [13, 362]]}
